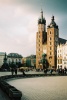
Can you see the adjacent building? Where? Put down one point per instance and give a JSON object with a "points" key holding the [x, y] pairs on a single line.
{"points": [[62, 55], [14, 57], [2, 56], [29, 61]]}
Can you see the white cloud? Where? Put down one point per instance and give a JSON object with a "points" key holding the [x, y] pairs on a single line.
{"points": [[18, 27]]}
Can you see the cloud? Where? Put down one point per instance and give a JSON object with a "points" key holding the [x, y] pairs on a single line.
{"points": [[18, 23]]}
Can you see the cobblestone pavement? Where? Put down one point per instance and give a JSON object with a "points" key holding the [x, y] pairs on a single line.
{"points": [[29, 72], [42, 88]]}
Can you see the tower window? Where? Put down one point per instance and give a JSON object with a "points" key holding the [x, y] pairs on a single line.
{"points": [[39, 49], [50, 38], [50, 43], [50, 32], [50, 48], [50, 53]]}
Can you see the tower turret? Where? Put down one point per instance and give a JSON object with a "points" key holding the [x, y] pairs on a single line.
{"points": [[53, 24]]}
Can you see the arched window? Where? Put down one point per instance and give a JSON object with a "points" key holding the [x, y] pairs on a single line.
{"points": [[50, 32]]}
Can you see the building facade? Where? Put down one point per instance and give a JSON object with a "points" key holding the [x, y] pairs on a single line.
{"points": [[2, 56], [46, 42], [59, 55], [14, 57], [62, 56], [29, 61]]}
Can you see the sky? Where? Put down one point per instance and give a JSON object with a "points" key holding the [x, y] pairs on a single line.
{"points": [[19, 23]]}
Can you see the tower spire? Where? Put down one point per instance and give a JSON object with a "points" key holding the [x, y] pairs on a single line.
{"points": [[41, 14]]}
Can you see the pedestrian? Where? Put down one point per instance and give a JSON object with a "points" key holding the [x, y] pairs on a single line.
{"points": [[23, 72], [51, 71], [15, 71], [12, 71]]}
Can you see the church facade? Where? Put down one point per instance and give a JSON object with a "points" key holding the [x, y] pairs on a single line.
{"points": [[47, 41]]}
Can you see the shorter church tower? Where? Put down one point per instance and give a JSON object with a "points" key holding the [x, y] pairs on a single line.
{"points": [[40, 39], [52, 42]]}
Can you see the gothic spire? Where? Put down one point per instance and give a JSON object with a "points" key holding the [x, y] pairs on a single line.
{"points": [[41, 14]]}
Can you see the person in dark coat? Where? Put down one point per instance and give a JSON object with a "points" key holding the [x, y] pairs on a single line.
{"points": [[15, 71], [12, 71]]}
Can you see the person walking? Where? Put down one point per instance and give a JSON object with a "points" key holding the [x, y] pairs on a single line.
{"points": [[15, 71]]}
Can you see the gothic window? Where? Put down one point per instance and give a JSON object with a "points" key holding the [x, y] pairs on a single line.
{"points": [[50, 32], [50, 53], [50, 38], [50, 48], [50, 43]]}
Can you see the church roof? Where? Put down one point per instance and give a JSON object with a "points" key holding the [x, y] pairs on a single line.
{"points": [[62, 41]]}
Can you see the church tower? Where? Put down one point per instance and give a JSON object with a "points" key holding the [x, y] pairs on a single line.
{"points": [[52, 42], [40, 39]]}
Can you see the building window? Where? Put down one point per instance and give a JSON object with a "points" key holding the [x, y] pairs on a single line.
{"points": [[50, 38], [50, 43], [50, 53], [50, 48], [50, 32], [58, 61], [39, 36]]}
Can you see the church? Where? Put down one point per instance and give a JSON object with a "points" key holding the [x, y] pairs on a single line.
{"points": [[47, 41]]}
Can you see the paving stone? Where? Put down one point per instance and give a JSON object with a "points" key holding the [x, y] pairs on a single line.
{"points": [[42, 88]]}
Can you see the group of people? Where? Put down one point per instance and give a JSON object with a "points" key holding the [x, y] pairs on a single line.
{"points": [[62, 71], [46, 70], [14, 71]]}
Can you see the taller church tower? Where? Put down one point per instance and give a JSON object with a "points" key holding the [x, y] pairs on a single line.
{"points": [[40, 39], [52, 42]]}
